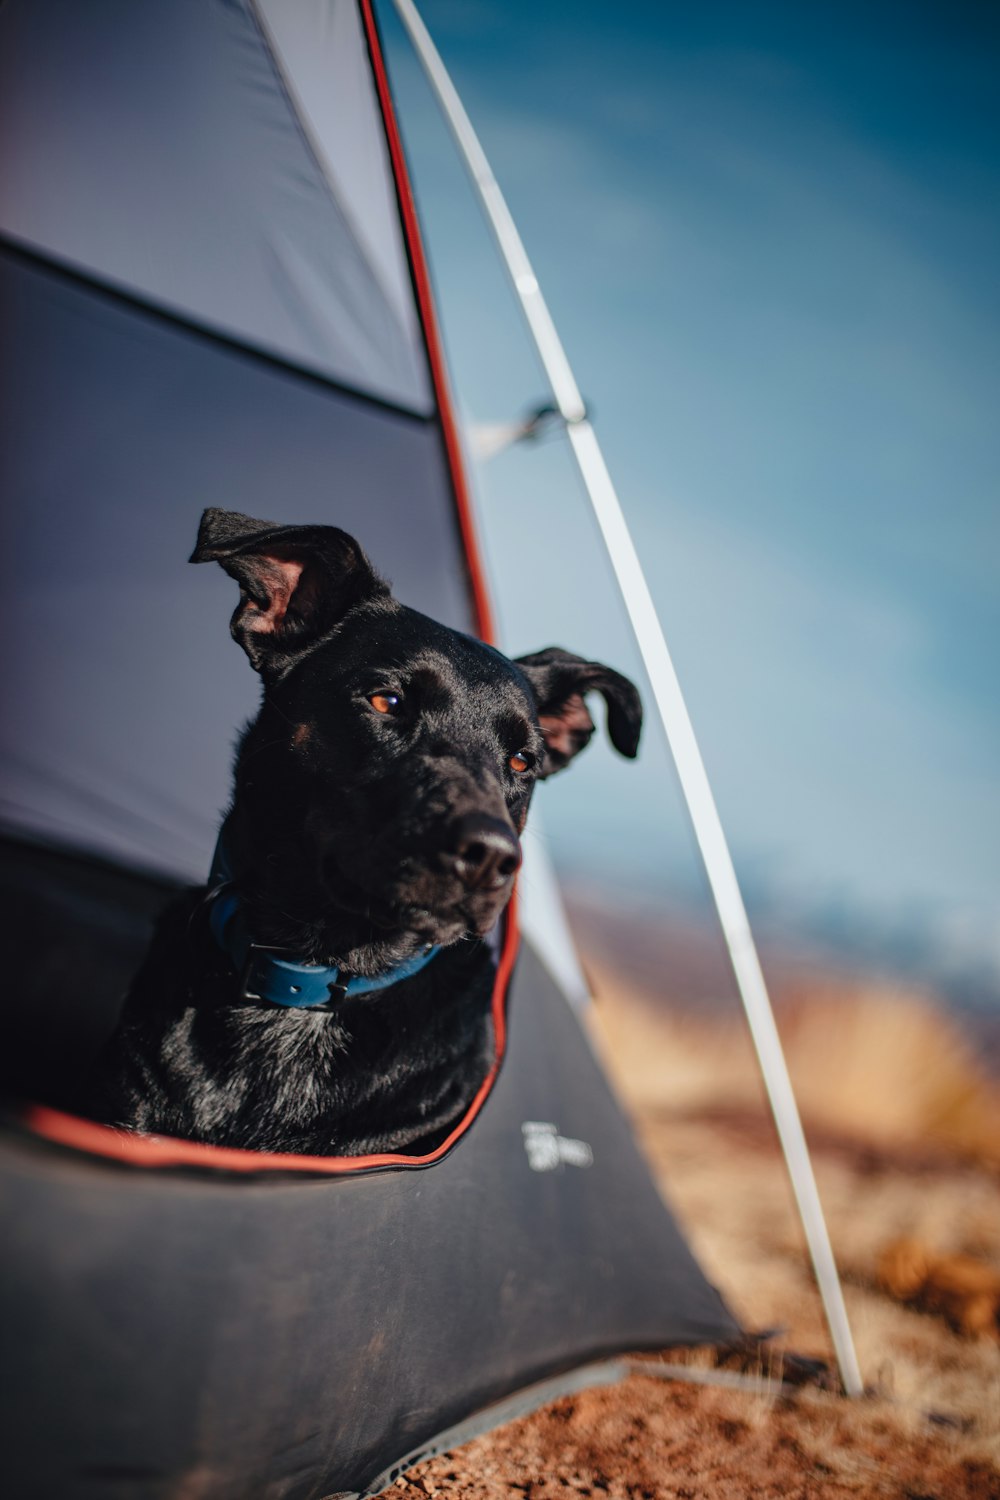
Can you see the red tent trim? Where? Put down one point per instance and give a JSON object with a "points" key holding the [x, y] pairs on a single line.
{"points": [[166, 1151], [162, 1151], [432, 337]]}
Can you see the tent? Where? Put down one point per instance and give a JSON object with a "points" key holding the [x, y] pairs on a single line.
{"points": [[214, 293]]}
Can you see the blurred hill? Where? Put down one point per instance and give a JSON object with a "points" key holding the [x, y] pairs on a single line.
{"points": [[669, 958]]}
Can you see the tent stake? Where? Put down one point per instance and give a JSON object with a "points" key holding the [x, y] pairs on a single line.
{"points": [[669, 699]]}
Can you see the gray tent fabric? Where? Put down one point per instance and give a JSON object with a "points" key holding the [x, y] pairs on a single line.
{"points": [[157, 147], [212, 295], [320, 49]]}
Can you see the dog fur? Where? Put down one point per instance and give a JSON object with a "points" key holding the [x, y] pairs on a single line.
{"points": [[378, 801]]}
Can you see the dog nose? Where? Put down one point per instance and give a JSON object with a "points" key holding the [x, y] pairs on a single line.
{"points": [[486, 852]]}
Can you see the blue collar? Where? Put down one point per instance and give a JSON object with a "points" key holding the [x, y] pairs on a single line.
{"points": [[265, 973]]}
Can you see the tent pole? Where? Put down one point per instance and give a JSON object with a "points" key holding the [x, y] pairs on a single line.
{"points": [[669, 700]]}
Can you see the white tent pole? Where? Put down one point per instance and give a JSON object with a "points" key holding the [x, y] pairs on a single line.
{"points": [[669, 700]]}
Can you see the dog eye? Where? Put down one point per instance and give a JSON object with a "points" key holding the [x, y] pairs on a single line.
{"points": [[521, 762], [384, 703]]}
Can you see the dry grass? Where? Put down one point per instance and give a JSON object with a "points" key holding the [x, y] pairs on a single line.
{"points": [[879, 1065], [905, 1130]]}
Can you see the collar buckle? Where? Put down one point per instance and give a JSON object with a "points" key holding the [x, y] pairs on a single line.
{"points": [[271, 976]]}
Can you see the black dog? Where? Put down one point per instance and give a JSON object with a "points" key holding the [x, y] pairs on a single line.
{"points": [[379, 795]]}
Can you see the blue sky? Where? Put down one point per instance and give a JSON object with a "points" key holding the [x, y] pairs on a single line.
{"points": [[769, 236]]}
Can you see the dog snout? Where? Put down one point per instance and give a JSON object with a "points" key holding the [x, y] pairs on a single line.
{"points": [[485, 851]]}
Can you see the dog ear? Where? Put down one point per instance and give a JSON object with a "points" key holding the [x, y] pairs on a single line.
{"points": [[295, 582], [559, 681]]}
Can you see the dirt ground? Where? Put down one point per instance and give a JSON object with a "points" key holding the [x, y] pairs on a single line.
{"points": [[905, 1131]]}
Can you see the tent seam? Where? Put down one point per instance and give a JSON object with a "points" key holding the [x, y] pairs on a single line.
{"points": [[161, 312]]}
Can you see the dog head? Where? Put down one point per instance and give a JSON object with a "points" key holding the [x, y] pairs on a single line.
{"points": [[381, 791]]}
